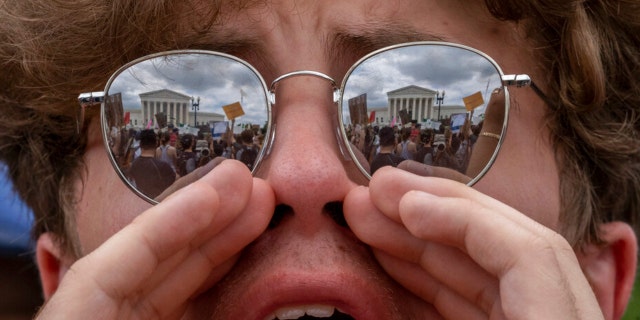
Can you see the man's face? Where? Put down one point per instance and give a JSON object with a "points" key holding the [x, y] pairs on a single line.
{"points": [[308, 258]]}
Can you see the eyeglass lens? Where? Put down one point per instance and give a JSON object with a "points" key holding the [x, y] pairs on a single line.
{"points": [[430, 109], [441, 106]]}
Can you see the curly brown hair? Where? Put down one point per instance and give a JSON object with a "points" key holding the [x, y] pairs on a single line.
{"points": [[50, 48]]}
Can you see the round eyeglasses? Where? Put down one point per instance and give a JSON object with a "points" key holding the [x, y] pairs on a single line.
{"points": [[432, 108]]}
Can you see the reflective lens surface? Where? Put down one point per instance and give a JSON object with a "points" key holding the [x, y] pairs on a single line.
{"points": [[432, 109], [165, 116]]}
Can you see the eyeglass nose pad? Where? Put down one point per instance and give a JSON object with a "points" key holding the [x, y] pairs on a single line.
{"points": [[269, 141]]}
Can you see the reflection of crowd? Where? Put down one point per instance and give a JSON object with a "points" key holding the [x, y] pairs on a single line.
{"points": [[153, 160], [435, 147]]}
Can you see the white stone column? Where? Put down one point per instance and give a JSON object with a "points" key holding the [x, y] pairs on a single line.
{"points": [[143, 110], [172, 113], [186, 113], [414, 109], [153, 113], [396, 107]]}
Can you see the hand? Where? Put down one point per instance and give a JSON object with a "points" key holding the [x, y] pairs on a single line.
{"points": [[140, 272], [426, 170], [191, 177], [469, 255]]}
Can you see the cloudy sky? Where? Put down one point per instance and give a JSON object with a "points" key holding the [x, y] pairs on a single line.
{"points": [[457, 71], [220, 81], [217, 80]]}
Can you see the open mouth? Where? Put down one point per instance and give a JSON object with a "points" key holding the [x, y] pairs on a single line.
{"points": [[309, 312]]}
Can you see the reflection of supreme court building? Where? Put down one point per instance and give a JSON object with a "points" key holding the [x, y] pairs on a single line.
{"points": [[175, 105], [419, 102]]}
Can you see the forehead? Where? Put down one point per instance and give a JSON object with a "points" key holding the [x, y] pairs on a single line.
{"points": [[281, 36], [369, 22]]}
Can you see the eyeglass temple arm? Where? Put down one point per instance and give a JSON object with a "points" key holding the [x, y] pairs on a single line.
{"points": [[523, 80], [87, 99], [90, 98]]}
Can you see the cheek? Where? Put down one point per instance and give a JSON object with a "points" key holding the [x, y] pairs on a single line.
{"points": [[525, 174], [106, 204]]}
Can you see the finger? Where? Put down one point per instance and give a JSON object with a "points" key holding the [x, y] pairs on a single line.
{"points": [[447, 264], [207, 264], [250, 224], [449, 304], [389, 185], [193, 176], [234, 190], [535, 264], [465, 224], [425, 170], [129, 259], [131, 256], [376, 229]]}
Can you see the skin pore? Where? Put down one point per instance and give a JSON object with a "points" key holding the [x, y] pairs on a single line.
{"points": [[387, 263]]}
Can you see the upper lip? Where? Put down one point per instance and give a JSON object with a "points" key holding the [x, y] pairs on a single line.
{"points": [[349, 293]]}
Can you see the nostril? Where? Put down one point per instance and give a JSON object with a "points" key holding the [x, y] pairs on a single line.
{"points": [[334, 210], [279, 213]]}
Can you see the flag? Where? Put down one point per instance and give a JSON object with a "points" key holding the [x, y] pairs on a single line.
{"points": [[127, 117], [242, 95], [149, 124], [372, 116], [393, 122]]}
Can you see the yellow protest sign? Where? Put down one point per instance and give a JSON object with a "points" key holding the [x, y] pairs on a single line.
{"points": [[473, 101], [233, 110]]}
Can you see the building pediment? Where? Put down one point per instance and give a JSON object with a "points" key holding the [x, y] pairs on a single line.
{"points": [[164, 94], [411, 90]]}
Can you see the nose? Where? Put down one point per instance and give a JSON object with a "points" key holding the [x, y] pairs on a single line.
{"points": [[306, 167]]}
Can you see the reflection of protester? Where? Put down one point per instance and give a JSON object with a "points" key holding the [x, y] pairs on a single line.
{"points": [[148, 174], [386, 157], [205, 157], [407, 148], [415, 130], [166, 152], [358, 137], [186, 157], [463, 152], [247, 152], [173, 139], [424, 152], [444, 157]]}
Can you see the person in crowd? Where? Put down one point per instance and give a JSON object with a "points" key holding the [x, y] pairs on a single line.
{"points": [[148, 173], [386, 156], [247, 152], [166, 152], [406, 148], [187, 160], [424, 147], [546, 231]]}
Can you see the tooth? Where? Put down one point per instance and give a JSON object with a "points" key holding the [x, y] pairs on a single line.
{"points": [[289, 313], [320, 311], [292, 313]]}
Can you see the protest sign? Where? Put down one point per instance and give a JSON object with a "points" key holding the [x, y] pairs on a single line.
{"points": [[358, 109], [218, 129], [233, 110], [457, 121], [473, 101]]}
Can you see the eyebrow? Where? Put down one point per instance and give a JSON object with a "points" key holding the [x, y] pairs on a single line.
{"points": [[342, 44], [363, 39]]}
